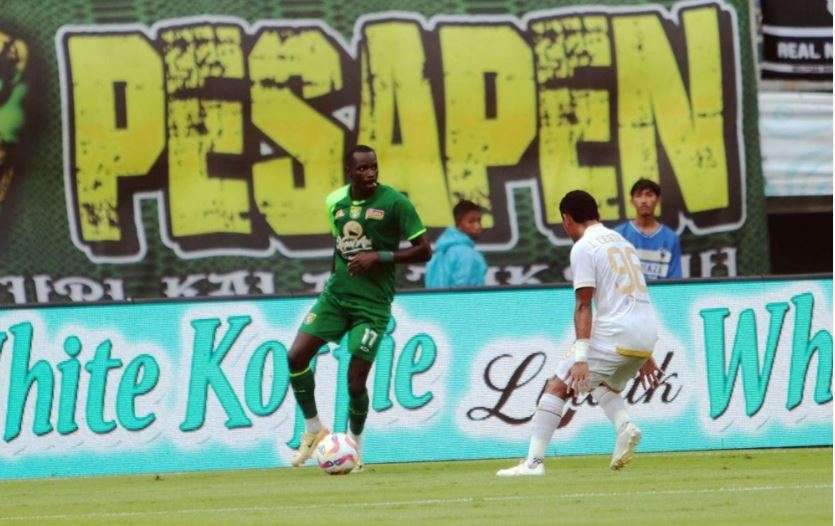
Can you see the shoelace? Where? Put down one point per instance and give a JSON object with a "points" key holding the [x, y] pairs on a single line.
{"points": [[534, 462]]}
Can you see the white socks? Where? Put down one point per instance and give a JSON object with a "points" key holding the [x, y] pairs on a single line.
{"points": [[612, 404], [312, 425], [544, 423], [549, 411]]}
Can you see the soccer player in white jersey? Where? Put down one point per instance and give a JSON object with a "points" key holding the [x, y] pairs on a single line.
{"points": [[607, 354]]}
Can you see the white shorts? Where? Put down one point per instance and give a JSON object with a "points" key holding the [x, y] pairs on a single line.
{"points": [[614, 368]]}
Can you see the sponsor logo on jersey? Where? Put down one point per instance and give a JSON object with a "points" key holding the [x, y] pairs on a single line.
{"points": [[356, 212], [655, 263], [373, 213], [339, 213], [352, 240], [310, 318]]}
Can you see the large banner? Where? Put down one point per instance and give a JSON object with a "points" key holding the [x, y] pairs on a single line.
{"points": [[797, 40], [173, 151], [201, 384]]}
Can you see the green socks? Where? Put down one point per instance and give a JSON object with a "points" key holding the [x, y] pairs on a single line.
{"points": [[357, 412], [303, 384]]}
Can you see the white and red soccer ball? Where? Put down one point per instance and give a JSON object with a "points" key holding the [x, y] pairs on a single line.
{"points": [[336, 454]]}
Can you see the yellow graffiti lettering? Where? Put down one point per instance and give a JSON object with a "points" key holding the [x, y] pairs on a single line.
{"points": [[119, 123], [397, 116], [653, 98], [243, 128], [567, 116], [279, 58], [481, 132], [202, 126]]}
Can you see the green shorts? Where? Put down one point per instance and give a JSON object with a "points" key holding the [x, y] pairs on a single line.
{"points": [[330, 318]]}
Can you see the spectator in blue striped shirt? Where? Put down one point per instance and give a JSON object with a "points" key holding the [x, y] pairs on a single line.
{"points": [[657, 245]]}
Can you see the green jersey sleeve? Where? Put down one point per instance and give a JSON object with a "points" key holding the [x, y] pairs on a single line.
{"points": [[410, 224], [330, 202]]}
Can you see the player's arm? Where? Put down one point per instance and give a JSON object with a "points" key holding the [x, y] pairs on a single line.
{"points": [[419, 252], [583, 312], [585, 282], [579, 372]]}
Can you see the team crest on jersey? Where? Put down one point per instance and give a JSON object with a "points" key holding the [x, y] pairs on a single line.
{"points": [[310, 318], [373, 213], [339, 213], [356, 211]]}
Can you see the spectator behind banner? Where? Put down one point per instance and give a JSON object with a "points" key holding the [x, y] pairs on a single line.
{"points": [[657, 245], [455, 261]]}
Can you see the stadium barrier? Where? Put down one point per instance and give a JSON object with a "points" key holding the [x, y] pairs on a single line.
{"points": [[192, 385]]}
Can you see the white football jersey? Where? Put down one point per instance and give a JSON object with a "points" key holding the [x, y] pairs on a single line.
{"points": [[624, 319]]}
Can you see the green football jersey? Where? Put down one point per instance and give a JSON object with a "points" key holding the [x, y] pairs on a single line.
{"points": [[377, 223]]}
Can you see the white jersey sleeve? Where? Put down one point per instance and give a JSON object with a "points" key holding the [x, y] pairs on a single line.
{"points": [[582, 266]]}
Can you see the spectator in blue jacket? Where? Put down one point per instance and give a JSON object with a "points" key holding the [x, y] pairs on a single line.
{"points": [[657, 245], [455, 261]]}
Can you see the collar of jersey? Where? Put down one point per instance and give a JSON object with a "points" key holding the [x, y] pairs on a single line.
{"points": [[341, 193], [641, 232], [362, 201]]}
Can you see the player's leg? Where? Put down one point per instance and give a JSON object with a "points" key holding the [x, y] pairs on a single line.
{"points": [[302, 379], [608, 398], [550, 408], [363, 341], [358, 370], [324, 323], [610, 401], [545, 420], [303, 383], [628, 434]]}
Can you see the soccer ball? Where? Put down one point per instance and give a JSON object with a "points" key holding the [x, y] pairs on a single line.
{"points": [[336, 454]]}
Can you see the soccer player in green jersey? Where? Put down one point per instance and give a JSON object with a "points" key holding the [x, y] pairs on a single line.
{"points": [[368, 220]]}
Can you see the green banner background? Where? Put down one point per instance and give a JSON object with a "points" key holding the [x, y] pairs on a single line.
{"points": [[40, 262]]}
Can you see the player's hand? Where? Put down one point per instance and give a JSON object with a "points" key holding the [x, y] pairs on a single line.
{"points": [[650, 375], [362, 262], [578, 377]]}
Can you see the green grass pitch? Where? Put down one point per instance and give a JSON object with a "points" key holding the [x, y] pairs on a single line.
{"points": [[727, 487]]}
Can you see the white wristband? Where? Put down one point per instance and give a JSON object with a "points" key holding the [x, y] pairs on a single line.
{"points": [[580, 348]]}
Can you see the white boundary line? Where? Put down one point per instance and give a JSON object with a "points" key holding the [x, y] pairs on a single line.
{"points": [[416, 502]]}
